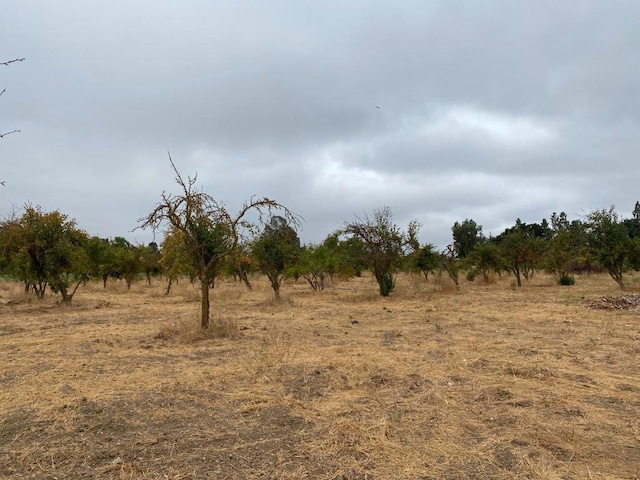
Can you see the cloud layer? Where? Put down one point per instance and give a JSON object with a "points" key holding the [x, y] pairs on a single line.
{"points": [[441, 110]]}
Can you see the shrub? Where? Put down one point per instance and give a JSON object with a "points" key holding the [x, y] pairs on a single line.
{"points": [[566, 279]]}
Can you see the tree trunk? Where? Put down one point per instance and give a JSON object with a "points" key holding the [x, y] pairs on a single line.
{"points": [[385, 282], [617, 276], [275, 280], [245, 279], [66, 298], [204, 285], [516, 272], [105, 276], [168, 290]]}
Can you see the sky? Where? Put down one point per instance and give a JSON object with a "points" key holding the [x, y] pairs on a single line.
{"points": [[442, 110]]}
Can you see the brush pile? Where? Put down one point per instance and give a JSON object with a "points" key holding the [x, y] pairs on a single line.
{"points": [[625, 302]]}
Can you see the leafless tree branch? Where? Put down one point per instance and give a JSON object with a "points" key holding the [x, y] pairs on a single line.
{"points": [[2, 135], [9, 62]]}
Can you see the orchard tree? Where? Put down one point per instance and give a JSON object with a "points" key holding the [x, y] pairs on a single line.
{"points": [[466, 236], [610, 243], [314, 264], [350, 256], [450, 263], [201, 219], [522, 247], [487, 259], [276, 250], [239, 264], [385, 244], [566, 250], [100, 256], [175, 260], [426, 260], [150, 259], [633, 224], [47, 249], [127, 263]]}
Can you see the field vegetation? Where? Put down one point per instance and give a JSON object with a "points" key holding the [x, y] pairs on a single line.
{"points": [[434, 381]]}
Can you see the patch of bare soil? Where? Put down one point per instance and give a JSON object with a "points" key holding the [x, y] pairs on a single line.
{"points": [[434, 382]]}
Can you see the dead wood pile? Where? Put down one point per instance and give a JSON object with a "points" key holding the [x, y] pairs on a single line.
{"points": [[625, 302]]}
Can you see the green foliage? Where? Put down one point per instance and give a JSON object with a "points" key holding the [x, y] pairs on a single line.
{"points": [[175, 259], [472, 273], [566, 279], [276, 250], [150, 258], [45, 249], [633, 224], [127, 263], [449, 263], [425, 260], [351, 254], [239, 264], [101, 258], [487, 259], [466, 236], [610, 243], [385, 245], [522, 248], [314, 263], [562, 253]]}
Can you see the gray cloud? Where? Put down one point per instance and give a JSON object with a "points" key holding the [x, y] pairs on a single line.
{"points": [[488, 111]]}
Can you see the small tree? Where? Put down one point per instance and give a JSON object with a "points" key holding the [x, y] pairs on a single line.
{"points": [[314, 264], [385, 244], [449, 263], [487, 259], [127, 262], [101, 258], [426, 260], [150, 259], [175, 260], [47, 249], [201, 218], [276, 250], [466, 236], [522, 248], [610, 243], [239, 264], [633, 223]]}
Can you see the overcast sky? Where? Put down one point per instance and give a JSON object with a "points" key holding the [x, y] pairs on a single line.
{"points": [[442, 110]]}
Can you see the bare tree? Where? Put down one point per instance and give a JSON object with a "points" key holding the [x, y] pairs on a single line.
{"points": [[210, 232]]}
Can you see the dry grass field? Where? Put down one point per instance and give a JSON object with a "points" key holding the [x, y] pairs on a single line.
{"points": [[480, 382]]}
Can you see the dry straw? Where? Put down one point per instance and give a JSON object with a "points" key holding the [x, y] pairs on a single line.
{"points": [[480, 381]]}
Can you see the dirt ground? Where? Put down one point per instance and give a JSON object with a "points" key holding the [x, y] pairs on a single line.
{"points": [[434, 382]]}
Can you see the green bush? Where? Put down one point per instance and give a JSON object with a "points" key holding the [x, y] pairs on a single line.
{"points": [[472, 274], [566, 280]]}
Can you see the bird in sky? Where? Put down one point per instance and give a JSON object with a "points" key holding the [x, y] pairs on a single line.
{"points": [[3, 182]]}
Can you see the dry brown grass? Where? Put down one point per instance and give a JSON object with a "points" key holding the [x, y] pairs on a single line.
{"points": [[432, 383]]}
